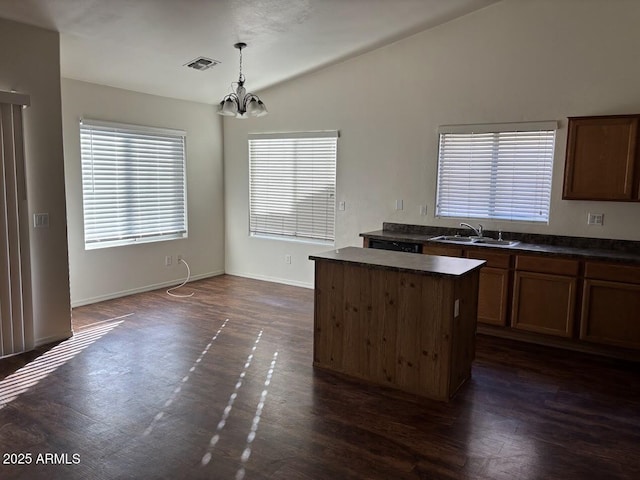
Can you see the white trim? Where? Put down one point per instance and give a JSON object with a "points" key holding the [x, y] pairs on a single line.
{"points": [[131, 126], [14, 98], [289, 238], [146, 288], [313, 134], [52, 338], [267, 278], [499, 127]]}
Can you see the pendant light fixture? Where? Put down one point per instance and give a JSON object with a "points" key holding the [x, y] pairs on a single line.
{"points": [[241, 104]]}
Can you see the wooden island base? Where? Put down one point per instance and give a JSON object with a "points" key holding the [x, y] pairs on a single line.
{"points": [[396, 319]]}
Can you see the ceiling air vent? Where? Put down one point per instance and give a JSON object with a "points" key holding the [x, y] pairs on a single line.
{"points": [[202, 63]]}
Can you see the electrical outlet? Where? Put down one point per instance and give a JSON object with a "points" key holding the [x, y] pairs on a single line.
{"points": [[398, 204], [341, 205], [423, 210], [287, 259], [178, 258], [595, 218], [168, 260]]}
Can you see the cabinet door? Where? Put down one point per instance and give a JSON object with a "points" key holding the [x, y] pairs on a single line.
{"points": [[493, 292], [544, 303], [610, 313], [601, 158]]}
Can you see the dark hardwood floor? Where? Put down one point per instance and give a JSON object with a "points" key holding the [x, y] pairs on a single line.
{"points": [[220, 386]]}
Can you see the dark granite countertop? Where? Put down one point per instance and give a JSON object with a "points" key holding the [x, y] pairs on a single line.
{"points": [[401, 261], [619, 251]]}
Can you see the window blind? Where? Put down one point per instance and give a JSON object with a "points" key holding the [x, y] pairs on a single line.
{"points": [[498, 172], [292, 185], [133, 183]]}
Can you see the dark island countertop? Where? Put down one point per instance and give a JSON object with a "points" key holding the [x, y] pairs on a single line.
{"points": [[618, 251], [401, 261]]}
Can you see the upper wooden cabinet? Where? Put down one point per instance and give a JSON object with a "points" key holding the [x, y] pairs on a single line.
{"points": [[602, 160]]}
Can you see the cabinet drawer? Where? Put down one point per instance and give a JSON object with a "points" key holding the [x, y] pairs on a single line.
{"points": [[615, 273], [442, 250], [495, 260], [557, 266]]}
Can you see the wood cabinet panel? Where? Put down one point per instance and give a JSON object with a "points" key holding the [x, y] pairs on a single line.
{"points": [[544, 303], [494, 259], [493, 294], [397, 329], [613, 272], [610, 313], [590, 305], [558, 266], [445, 250], [601, 158]]}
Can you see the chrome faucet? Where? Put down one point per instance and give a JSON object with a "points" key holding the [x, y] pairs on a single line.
{"points": [[477, 231]]}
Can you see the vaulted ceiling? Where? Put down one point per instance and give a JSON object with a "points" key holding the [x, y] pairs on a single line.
{"points": [[143, 45]]}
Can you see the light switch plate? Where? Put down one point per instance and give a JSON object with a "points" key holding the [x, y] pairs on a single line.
{"points": [[41, 220]]}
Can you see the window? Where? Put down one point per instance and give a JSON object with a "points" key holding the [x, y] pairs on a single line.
{"points": [[497, 171], [292, 179], [133, 184]]}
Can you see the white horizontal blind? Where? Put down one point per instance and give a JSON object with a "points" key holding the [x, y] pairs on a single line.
{"points": [[504, 175], [292, 184], [133, 184]]}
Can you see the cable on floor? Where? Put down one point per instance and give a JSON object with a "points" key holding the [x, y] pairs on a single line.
{"points": [[182, 284]]}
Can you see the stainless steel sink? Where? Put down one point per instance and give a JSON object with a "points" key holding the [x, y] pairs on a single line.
{"points": [[474, 240], [493, 241], [453, 238]]}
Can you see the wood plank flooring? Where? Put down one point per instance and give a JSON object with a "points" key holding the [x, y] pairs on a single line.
{"points": [[221, 386]]}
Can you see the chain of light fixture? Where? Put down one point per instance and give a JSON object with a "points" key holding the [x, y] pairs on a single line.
{"points": [[241, 104]]}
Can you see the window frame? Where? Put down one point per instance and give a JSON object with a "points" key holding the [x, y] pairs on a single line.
{"points": [[175, 153], [501, 133], [306, 233]]}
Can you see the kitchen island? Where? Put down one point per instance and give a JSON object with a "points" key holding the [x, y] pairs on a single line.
{"points": [[396, 319]]}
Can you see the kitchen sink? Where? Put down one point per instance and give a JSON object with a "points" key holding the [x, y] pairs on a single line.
{"points": [[493, 241], [474, 240], [453, 238]]}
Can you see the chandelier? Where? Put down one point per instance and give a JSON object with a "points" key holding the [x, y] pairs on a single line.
{"points": [[241, 104]]}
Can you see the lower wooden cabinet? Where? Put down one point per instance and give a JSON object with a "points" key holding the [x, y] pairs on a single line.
{"points": [[544, 295], [493, 294], [611, 305], [493, 289], [585, 304]]}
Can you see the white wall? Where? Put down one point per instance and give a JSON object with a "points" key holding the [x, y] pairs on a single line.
{"points": [[111, 272], [517, 60], [30, 64]]}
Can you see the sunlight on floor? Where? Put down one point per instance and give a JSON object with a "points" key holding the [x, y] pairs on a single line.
{"points": [[206, 458], [185, 379], [256, 419], [26, 377]]}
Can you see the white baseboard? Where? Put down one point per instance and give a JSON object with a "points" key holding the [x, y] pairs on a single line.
{"points": [[146, 288], [52, 338], [266, 278]]}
